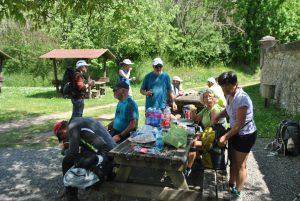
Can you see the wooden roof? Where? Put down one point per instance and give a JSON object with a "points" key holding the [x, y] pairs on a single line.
{"points": [[78, 54], [4, 56]]}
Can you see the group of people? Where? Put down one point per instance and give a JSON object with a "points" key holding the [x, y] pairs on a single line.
{"points": [[85, 138], [241, 131]]}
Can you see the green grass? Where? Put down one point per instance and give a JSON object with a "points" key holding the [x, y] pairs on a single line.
{"points": [[21, 102], [266, 120]]}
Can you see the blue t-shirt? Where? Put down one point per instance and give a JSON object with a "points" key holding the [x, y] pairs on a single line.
{"points": [[126, 111], [123, 79], [160, 85]]}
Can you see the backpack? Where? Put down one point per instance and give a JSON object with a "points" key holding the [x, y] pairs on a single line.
{"points": [[67, 86], [287, 140]]}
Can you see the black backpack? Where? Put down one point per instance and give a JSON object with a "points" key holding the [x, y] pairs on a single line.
{"points": [[67, 88], [287, 139], [288, 136]]}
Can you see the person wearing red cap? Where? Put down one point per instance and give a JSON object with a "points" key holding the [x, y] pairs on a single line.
{"points": [[87, 138]]}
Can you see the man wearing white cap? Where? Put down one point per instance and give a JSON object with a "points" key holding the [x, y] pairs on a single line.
{"points": [[212, 84], [177, 87], [80, 88], [156, 87], [124, 74]]}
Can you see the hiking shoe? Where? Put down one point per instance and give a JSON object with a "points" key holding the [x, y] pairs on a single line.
{"points": [[187, 172], [235, 192]]}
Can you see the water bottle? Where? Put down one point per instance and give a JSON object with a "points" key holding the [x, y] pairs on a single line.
{"points": [[149, 116], [156, 117], [166, 118], [159, 144]]}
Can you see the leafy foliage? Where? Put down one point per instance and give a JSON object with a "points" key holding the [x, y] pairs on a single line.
{"points": [[184, 32]]}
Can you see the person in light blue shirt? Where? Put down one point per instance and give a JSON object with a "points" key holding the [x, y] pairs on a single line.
{"points": [[126, 116], [156, 87], [124, 74]]}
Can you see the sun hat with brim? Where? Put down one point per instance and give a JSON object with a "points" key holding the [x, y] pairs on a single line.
{"points": [[81, 63], [176, 78], [157, 61], [212, 80], [127, 62]]}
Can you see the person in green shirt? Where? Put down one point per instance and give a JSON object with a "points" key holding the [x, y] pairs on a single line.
{"points": [[205, 117]]}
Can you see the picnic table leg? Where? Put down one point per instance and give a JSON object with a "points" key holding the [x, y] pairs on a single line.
{"points": [[178, 179], [123, 173]]}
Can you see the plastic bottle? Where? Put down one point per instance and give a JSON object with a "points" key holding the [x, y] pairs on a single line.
{"points": [[165, 123], [156, 117], [149, 116], [159, 144]]}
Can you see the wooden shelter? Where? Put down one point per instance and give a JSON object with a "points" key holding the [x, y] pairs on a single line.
{"points": [[3, 56], [56, 54]]}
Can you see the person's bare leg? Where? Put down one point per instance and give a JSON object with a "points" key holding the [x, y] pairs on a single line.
{"points": [[232, 169], [192, 157], [241, 171]]}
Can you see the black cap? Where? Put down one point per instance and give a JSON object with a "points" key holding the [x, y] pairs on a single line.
{"points": [[123, 85]]}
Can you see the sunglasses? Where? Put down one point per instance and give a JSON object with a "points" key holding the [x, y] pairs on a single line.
{"points": [[158, 66]]}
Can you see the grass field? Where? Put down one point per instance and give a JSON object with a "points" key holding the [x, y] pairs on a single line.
{"points": [[266, 120], [21, 102]]}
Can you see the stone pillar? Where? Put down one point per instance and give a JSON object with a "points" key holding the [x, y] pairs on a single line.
{"points": [[265, 44]]}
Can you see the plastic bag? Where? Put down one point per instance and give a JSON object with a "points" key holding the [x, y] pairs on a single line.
{"points": [[80, 178], [177, 137]]}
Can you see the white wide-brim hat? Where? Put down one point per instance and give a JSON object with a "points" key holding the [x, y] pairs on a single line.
{"points": [[176, 78]]}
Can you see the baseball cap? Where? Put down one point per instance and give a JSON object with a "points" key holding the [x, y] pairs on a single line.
{"points": [[177, 78], [120, 85], [81, 63], [127, 62], [157, 61], [212, 80]]}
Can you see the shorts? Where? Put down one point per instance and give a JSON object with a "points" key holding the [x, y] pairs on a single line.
{"points": [[243, 143]]}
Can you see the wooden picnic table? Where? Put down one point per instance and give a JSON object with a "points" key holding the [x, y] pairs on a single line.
{"points": [[188, 98], [171, 161], [98, 89], [160, 176]]}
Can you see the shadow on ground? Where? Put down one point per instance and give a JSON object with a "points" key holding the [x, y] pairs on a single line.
{"points": [[10, 115], [32, 174], [46, 94], [281, 174]]}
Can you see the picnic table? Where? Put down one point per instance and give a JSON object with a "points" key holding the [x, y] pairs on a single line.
{"points": [[189, 98], [98, 89], [170, 161]]}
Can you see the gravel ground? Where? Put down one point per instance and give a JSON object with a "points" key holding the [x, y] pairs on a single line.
{"points": [[35, 174]]}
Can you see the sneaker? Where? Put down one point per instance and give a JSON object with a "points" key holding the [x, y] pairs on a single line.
{"points": [[187, 172], [235, 192]]}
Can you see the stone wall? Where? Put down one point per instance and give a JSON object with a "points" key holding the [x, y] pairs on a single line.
{"points": [[280, 65]]}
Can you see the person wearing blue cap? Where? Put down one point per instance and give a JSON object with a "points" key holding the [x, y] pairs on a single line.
{"points": [[126, 116], [80, 87]]}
